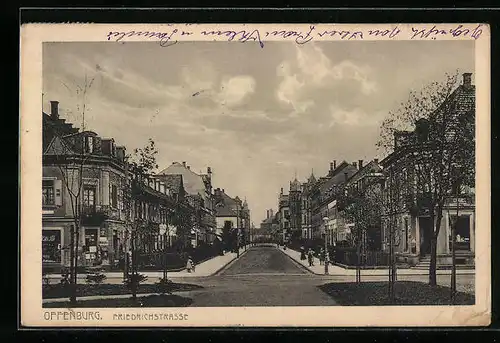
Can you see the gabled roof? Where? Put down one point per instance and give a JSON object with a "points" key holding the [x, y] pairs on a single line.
{"points": [[172, 182], [193, 183], [295, 185], [58, 147], [371, 168], [225, 205], [338, 178]]}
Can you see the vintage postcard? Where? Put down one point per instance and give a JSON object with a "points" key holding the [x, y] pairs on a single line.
{"points": [[278, 175]]}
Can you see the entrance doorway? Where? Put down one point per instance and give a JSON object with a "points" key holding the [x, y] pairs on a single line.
{"points": [[425, 227]]}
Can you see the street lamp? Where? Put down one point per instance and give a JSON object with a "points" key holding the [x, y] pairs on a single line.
{"points": [[163, 232], [327, 259]]}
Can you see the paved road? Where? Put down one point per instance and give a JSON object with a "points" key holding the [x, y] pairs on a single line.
{"points": [[264, 276]]}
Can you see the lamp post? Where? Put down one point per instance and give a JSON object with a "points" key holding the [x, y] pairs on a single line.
{"points": [[327, 259], [163, 232]]}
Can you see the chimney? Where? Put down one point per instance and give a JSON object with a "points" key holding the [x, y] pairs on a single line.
{"points": [[355, 164], [331, 166], [334, 164], [54, 109], [188, 167], [375, 160], [270, 212], [281, 190], [267, 214], [209, 170], [223, 190], [360, 164], [345, 176], [467, 79], [184, 163]]}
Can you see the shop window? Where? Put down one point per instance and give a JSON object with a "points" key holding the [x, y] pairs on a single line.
{"points": [[51, 246], [48, 192], [91, 245]]}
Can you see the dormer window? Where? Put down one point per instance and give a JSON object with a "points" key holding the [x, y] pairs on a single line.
{"points": [[89, 144]]}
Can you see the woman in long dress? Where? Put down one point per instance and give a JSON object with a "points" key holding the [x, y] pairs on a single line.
{"points": [[189, 265]]}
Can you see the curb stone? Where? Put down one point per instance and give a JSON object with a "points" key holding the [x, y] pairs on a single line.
{"points": [[227, 265]]}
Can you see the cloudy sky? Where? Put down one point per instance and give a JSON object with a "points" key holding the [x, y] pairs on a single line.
{"points": [[258, 117]]}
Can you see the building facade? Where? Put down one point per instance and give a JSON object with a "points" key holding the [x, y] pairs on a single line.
{"points": [[83, 180], [198, 189], [411, 215], [231, 214], [284, 216]]}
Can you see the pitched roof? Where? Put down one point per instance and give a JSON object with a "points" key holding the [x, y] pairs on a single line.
{"points": [[58, 147], [172, 182], [338, 177], [193, 183], [370, 168]]}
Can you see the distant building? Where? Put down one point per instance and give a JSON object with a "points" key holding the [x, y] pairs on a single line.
{"points": [[198, 190], [367, 182], [231, 213], [284, 216], [323, 192]]}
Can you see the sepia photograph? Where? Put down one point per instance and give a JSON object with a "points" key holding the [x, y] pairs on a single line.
{"points": [[222, 174]]}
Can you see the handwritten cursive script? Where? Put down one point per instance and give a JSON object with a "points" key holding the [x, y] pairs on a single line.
{"points": [[328, 32]]}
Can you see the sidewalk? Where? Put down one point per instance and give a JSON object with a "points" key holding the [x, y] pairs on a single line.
{"points": [[336, 270], [206, 268]]}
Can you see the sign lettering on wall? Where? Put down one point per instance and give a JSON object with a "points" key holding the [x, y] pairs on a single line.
{"points": [[51, 246]]}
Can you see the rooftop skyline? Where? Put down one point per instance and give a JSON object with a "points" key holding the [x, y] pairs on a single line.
{"points": [[257, 117]]}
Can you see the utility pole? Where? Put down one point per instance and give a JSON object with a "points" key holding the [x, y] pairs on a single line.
{"points": [[327, 259]]}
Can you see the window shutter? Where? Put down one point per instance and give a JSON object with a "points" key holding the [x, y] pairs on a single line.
{"points": [[110, 195], [120, 198], [58, 192]]}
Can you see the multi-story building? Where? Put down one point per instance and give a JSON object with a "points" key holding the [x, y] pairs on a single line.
{"points": [[284, 216], [295, 205], [198, 188], [152, 204], [323, 193], [306, 209], [364, 189], [87, 183], [83, 179], [412, 213]]}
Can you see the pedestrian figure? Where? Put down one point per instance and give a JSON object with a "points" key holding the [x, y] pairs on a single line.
{"points": [[302, 253], [310, 255], [321, 257], [189, 265]]}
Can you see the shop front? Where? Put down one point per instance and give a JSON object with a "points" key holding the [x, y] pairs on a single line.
{"points": [[103, 246], [52, 247]]}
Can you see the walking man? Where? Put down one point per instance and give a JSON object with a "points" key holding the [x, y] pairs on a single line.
{"points": [[310, 256], [321, 257]]}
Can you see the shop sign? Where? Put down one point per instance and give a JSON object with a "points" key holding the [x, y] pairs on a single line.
{"points": [[51, 246]]}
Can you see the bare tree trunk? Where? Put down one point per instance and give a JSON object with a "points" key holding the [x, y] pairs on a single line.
{"points": [[433, 263], [434, 237], [72, 286], [133, 277]]}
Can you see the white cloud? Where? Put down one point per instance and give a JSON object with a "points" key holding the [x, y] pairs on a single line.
{"points": [[312, 70], [235, 89], [340, 116]]}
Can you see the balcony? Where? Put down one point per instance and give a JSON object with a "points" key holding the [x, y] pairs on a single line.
{"points": [[110, 212], [93, 216]]}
